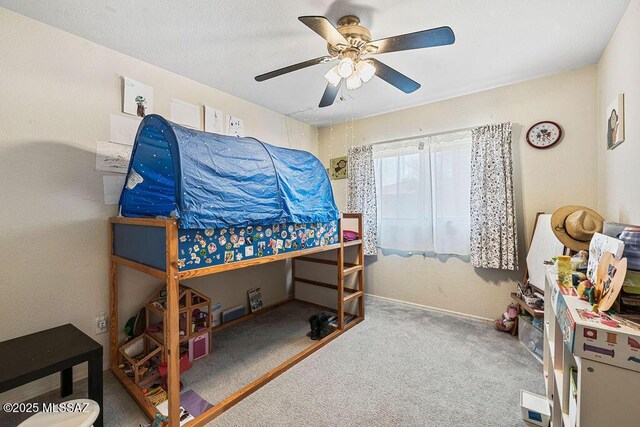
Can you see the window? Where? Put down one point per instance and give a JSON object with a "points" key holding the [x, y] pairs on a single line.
{"points": [[422, 188]]}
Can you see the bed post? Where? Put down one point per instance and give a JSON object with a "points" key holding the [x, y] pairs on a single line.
{"points": [[113, 304], [361, 262], [340, 275], [173, 324]]}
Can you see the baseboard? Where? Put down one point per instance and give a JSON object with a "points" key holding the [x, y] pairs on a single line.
{"points": [[427, 307]]}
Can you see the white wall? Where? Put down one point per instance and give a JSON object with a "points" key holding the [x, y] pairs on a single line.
{"points": [[56, 93], [619, 169], [544, 179]]}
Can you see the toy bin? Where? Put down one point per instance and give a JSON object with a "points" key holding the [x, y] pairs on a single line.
{"points": [[535, 408], [530, 337]]}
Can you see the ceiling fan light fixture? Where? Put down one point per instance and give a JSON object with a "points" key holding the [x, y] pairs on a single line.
{"points": [[333, 77], [354, 81], [346, 67], [365, 69]]}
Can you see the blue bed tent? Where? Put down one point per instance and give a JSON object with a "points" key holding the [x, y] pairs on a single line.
{"points": [[215, 181]]}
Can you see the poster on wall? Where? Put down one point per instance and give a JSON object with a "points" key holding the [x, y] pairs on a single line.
{"points": [[235, 126], [615, 122], [338, 168], [113, 186], [137, 98], [213, 120], [112, 157], [123, 129], [184, 113]]}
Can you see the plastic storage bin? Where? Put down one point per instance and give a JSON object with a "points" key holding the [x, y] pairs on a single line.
{"points": [[535, 408], [530, 336]]}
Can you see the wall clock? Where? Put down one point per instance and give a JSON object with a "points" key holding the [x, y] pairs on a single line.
{"points": [[544, 134]]}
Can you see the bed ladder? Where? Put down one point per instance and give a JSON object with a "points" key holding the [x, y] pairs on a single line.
{"points": [[344, 295]]}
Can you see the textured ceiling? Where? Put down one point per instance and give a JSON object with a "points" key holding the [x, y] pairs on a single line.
{"points": [[224, 44]]}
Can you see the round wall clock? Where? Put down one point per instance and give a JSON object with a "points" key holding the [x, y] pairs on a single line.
{"points": [[544, 134]]}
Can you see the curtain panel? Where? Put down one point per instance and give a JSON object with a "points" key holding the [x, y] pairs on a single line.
{"points": [[361, 194], [493, 218], [423, 187]]}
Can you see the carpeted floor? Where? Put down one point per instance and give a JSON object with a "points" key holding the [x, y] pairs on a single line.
{"points": [[402, 366]]}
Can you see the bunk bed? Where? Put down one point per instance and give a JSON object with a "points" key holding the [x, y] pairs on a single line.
{"points": [[196, 204]]}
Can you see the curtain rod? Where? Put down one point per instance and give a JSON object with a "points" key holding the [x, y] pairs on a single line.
{"points": [[424, 135]]}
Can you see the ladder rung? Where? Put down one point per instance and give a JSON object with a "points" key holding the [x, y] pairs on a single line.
{"points": [[353, 295], [321, 284], [352, 270], [322, 261], [352, 243]]}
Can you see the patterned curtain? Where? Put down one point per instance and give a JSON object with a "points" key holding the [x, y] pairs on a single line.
{"points": [[361, 193], [493, 218]]}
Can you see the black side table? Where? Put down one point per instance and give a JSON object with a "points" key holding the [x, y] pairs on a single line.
{"points": [[37, 355]]}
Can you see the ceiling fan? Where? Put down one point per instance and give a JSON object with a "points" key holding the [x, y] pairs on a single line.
{"points": [[350, 43]]}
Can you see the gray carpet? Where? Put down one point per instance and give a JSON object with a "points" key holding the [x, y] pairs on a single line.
{"points": [[403, 366]]}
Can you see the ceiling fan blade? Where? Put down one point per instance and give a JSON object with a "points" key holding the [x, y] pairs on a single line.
{"points": [[294, 67], [394, 78], [427, 38], [329, 95], [324, 29]]}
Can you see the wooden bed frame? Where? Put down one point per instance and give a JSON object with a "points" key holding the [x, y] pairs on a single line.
{"points": [[173, 277]]}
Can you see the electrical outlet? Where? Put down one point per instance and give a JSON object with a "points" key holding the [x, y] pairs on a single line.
{"points": [[101, 324]]}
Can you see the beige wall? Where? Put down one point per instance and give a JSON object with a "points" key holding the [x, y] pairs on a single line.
{"points": [[544, 179], [56, 93], [619, 169]]}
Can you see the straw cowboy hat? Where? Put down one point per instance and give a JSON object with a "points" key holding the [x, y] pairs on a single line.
{"points": [[574, 226]]}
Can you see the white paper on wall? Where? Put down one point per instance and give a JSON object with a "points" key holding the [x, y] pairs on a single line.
{"points": [[112, 157], [137, 98], [235, 126], [184, 113], [213, 120], [123, 129], [113, 186]]}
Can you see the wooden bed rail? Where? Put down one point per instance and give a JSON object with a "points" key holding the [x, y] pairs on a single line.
{"points": [[172, 277]]}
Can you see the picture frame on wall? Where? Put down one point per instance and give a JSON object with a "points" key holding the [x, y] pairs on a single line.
{"points": [[615, 122], [338, 168]]}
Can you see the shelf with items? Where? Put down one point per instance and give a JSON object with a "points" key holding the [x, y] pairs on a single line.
{"points": [[573, 382], [194, 319], [139, 359]]}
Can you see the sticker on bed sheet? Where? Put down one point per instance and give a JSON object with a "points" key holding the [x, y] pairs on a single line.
{"points": [[208, 232], [241, 241], [267, 232], [249, 240], [295, 246], [262, 246], [249, 230], [241, 232], [287, 244], [203, 252], [183, 239], [223, 231], [208, 261], [181, 263], [283, 234], [228, 246], [193, 255], [238, 256], [212, 247], [248, 251], [197, 260], [279, 244], [233, 238], [258, 228], [228, 256], [222, 240]]}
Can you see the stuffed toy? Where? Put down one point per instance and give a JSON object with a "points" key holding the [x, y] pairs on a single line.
{"points": [[507, 322]]}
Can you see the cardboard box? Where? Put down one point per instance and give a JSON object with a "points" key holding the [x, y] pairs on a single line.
{"points": [[605, 339]]}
